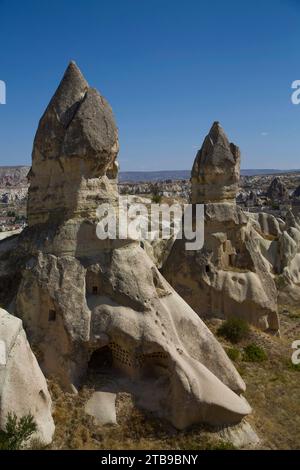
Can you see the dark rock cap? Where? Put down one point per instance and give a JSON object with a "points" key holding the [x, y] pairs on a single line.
{"points": [[216, 169], [277, 189], [76, 142]]}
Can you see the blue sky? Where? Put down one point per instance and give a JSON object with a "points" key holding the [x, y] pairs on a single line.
{"points": [[168, 69]]}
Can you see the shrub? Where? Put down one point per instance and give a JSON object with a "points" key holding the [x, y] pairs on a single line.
{"points": [[233, 353], [17, 432], [280, 281], [234, 329], [156, 198], [156, 193], [254, 353], [294, 367], [11, 214], [221, 445]]}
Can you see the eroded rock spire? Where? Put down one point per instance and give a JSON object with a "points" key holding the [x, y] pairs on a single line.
{"points": [[216, 169], [82, 298], [76, 144]]}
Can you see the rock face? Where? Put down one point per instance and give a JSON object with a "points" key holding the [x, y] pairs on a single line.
{"points": [[85, 300], [296, 193], [75, 144], [277, 190], [23, 388], [279, 243], [228, 276], [216, 169]]}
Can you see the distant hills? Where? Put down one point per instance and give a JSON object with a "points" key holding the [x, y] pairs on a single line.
{"points": [[143, 176], [14, 174], [267, 172]]}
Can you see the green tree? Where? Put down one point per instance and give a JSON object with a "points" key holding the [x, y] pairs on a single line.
{"points": [[17, 432]]}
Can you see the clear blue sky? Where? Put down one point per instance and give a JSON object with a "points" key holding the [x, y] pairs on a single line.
{"points": [[168, 68]]}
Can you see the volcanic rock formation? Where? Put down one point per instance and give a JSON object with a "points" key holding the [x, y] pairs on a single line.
{"points": [[85, 300], [23, 388], [277, 191], [75, 145], [279, 243], [216, 169], [228, 276]]}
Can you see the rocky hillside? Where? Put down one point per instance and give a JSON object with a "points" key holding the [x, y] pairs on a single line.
{"points": [[12, 176]]}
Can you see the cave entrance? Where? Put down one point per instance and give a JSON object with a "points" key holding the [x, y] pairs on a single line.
{"points": [[101, 359]]}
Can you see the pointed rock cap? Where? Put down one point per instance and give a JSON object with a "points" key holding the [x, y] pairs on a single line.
{"points": [[217, 134], [76, 141], [277, 189], [58, 115], [216, 169], [290, 220], [71, 90]]}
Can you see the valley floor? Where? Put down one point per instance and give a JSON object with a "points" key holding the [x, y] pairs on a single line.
{"points": [[273, 390]]}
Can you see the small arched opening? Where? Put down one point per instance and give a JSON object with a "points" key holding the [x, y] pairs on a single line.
{"points": [[101, 358]]}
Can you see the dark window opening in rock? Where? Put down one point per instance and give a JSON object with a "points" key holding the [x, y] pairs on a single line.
{"points": [[95, 290], [207, 268], [52, 315], [154, 365], [42, 395], [101, 358], [142, 245]]}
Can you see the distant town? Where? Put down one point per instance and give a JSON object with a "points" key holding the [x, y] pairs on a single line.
{"points": [[273, 191]]}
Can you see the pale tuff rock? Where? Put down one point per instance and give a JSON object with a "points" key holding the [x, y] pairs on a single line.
{"points": [[23, 388], [277, 190], [216, 169], [82, 299], [241, 435], [102, 407], [228, 276], [282, 252], [268, 224], [121, 301], [74, 148]]}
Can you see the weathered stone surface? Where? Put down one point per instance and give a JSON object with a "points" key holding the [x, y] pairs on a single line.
{"points": [[228, 276], [23, 388], [241, 436], [146, 325], [282, 253], [277, 190], [102, 406], [75, 146], [268, 224], [216, 169], [80, 296]]}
